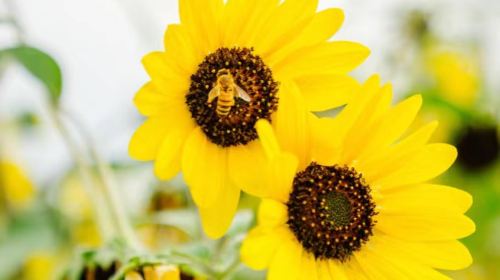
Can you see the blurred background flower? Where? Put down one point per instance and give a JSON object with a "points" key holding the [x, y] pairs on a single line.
{"points": [[444, 49]]}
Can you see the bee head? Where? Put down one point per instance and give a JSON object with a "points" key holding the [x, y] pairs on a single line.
{"points": [[223, 72]]}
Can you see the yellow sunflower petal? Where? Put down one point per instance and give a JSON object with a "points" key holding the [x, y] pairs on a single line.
{"points": [[426, 199], [429, 162], [399, 262], [244, 162], [323, 92], [281, 172], [418, 227], [308, 268], [324, 149], [337, 57], [147, 138], [260, 15], [283, 25], [366, 123], [267, 138], [354, 270], [321, 27], [331, 137], [272, 213], [337, 272], [277, 169], [204, 167], [291, 124], [203, 29], [377, 268], [243, 20], [286, 263], [345, 120], [394, 124], [152, 102], [178, 43], [260, 246], [168, 161], [164, 69], [449, 254], [323, 270], [217, 218], [156, 66], [384, 161]]}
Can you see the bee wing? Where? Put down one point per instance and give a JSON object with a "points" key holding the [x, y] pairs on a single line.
{"points": [[242, 94], [214, 93]]}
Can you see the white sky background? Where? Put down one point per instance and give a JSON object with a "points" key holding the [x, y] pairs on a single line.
{"points": [[99, 45]]}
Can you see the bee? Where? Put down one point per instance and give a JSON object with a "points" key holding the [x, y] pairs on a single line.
{"points": [[225, 89]]}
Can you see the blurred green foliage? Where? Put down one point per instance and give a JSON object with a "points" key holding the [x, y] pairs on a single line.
{"points": [[40, 65]]}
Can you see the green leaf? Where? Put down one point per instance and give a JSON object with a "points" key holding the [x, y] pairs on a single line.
{"points": [[40, 65]]}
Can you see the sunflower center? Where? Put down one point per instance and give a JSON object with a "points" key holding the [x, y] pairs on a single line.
{"points": [[478, 147], [330, 211], [229, 92]]}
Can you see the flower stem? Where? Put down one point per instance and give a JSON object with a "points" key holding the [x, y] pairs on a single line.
{"points": [[109, 190], [101, 216]]}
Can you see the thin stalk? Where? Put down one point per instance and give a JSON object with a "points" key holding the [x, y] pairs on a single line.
{"points": [[12, 20], [235, 265], [101, 216], [109, 189], [112, 197]]}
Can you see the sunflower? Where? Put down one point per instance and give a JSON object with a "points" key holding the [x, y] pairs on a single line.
{"points": [[16, 189], [225, 66], [357, 204], [40, 265], [455, 75]]}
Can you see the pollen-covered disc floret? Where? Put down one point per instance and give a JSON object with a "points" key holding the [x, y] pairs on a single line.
{"points": [[330, 211], [250, 74]]}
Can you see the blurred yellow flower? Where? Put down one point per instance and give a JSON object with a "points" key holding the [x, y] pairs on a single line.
{"points": [[456, 76], [75, 204], [15, 187], [355, 202], [41, 266], [158, 272], [225, 66]]}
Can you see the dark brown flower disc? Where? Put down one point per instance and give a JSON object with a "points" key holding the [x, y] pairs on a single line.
{"points": [[252, 76], [478, 147], [330, 211]]}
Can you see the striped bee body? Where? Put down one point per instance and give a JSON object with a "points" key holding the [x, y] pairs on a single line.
{"points": [[225, 89], [224, 104]]}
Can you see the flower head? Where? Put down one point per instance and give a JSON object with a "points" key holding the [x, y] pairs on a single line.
{"points": [[15, 186], [227, 65], [355, 203]]}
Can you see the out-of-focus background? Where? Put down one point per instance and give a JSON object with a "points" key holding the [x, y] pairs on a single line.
{"points": [[443, 49]]}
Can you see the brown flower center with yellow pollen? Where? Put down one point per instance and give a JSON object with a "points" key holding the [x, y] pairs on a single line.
{"points": [[330, 211], [230, 91]]}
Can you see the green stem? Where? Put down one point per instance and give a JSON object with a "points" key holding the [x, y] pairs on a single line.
{"points": [[109, 190], [194, 261], [83, 168], [232, 268], [12, 20]]}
